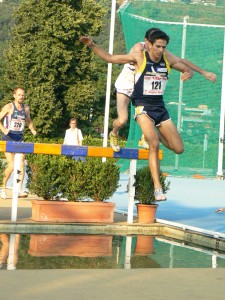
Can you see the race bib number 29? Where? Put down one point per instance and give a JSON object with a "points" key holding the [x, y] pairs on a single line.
{"points": [[17, 125]]}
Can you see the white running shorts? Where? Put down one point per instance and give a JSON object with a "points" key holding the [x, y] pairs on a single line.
{"points": [[125, 81]]}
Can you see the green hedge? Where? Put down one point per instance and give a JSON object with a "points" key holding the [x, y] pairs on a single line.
{"points": [[49, 176]]}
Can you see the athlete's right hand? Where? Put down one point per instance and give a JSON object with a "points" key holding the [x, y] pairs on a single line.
{"points": [[86, 40], [34, 132]]}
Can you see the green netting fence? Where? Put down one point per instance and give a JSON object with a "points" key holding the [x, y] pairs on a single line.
{"points": [[195, 108]]}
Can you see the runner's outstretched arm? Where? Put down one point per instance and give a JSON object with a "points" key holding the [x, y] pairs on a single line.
{"points": [[208, 75]]}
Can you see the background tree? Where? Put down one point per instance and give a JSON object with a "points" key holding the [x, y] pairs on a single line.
{"points": [[46, 58], [91, 112], [6, 21]]}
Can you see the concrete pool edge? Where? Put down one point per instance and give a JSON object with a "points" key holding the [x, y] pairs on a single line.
{"points": [[184, 235]]}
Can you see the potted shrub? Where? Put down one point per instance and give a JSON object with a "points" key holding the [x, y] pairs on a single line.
{"points": [[144, 194], [87, 185]]}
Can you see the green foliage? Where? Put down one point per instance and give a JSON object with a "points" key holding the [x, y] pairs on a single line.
{"points": [[90, 141], [6, 21], [102, 178], [45, 56], [49, 176], [6, 10], [87, 141], [144, 186], [43, 175]]}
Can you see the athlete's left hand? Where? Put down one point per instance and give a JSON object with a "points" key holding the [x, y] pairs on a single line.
{"points": [[210, 76]]}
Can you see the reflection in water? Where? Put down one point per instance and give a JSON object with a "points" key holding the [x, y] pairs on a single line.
{"points": [[70, 245], [4, 252], [140, 256], [143, 248], [127, 263], [144, 245], [50, 251], [9, 251]]}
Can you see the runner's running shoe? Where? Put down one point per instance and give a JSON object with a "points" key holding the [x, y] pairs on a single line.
{"points": [[3, 194], [22, 195], [143, 143], [114, 142], [159, 196]]}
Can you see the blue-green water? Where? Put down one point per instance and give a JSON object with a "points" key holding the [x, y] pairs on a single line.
{"points": [[51, 251]]}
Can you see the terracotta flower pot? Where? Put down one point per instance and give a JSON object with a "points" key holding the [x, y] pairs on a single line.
{"points": [[146, 213], [80, 212], [70, 245]]}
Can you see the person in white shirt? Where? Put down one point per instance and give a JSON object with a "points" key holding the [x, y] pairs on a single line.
{"points": [[73, 135]]}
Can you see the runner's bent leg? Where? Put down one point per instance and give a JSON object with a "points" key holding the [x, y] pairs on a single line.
{"points": [[9, 168], [123, 102], [170, 137], [7, 172], [122, 111]]}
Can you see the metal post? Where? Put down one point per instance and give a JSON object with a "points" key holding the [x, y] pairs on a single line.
{"points": [[133, 167], [181, 87], [205, 147], [222, 116], [109, 76], [16, 180]]}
